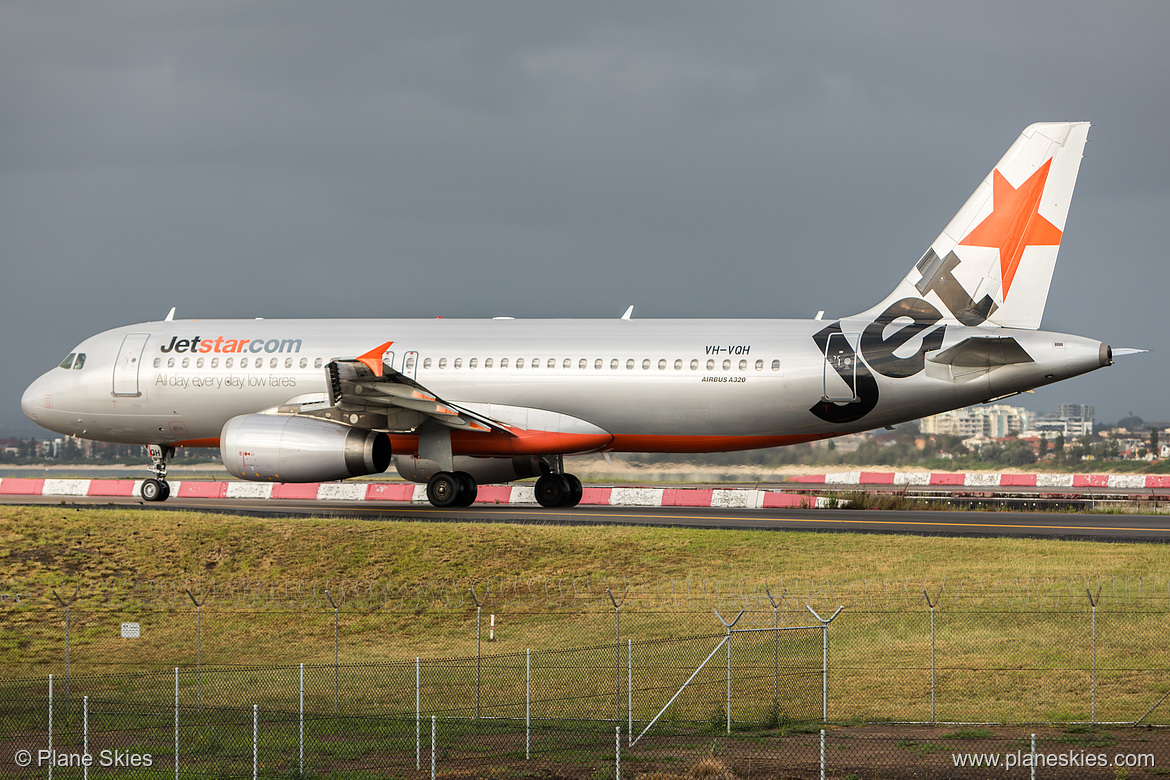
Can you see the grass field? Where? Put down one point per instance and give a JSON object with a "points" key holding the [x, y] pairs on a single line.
{"points": [[1025, 661]]}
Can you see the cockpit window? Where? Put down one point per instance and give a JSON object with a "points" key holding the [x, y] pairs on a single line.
{"points": [[68, 362], [80, 361]]}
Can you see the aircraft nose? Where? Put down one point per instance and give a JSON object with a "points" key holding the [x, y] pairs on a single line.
{"points": [[32, 401]]}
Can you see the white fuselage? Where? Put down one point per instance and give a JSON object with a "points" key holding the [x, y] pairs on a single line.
{"points": [[651, 385]]}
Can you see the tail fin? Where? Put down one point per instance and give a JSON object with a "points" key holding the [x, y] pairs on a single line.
{"points": [[993, 263]]}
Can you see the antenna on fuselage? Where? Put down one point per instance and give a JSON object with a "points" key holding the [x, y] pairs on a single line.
{"points": [[170, 315], [629, 312]]}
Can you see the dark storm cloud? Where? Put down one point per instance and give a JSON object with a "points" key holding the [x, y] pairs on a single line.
{"points": [[535, 159]]}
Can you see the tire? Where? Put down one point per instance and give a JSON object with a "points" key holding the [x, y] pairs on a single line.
{"points": [[154, 490], [166, 490], [576, 491], [468, 489], [443, 489], [552, 490]]}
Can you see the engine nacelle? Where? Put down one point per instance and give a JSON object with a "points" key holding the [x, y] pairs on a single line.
{"points": [[287, 448], [485, 470]]}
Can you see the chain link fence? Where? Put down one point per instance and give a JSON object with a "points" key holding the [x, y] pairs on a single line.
{"points": [[604, 683]]}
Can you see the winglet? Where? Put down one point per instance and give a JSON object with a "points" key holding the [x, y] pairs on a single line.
{"points": [[373, 358]]}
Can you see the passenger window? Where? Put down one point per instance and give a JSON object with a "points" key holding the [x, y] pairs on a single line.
{"points": [[186, 362], [597, 364], [426, 363], [726, 365], [519, 362], [678, 365], [613, 364], [662, 364], [442, 363], [487, 362], [536, 362], [646, 364], [288, 362], [473, 363], [243, 362], [198, 362], [552, 363], [77, 364], [694, 365], [710, 365], [629, 364], [272, 363], [68, 361], [759, 365], [775, 365], [503, 362], [304, 363], [316, 363], [743, 365], [227, 363], [215, 362], [157, 362], [582, 364], [410, 363], [170, 362], [458, 362]]}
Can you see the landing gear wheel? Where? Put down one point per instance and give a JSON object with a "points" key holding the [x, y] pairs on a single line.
{"points": [[552, 490], [576, 491], [468, 489], [154, 490], [443, 489]]}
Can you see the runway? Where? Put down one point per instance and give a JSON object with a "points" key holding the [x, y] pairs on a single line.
{"points": [[1045, 525]]}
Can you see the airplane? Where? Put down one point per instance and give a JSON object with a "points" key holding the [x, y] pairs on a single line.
{"points": [[456, 403]]}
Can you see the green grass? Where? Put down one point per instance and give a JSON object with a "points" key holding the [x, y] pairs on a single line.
{"points": [[880, 648]]}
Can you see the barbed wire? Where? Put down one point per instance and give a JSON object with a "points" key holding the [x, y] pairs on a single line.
{"points": [[591, 593]]}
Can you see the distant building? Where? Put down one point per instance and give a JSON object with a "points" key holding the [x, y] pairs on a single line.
{"points": [[1071, 420], [982, 422]]}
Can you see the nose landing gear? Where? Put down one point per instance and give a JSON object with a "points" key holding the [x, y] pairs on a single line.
{"points": [[157, 489]]}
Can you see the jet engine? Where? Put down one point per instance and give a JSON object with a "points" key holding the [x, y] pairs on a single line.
{"points": [[484, 470], [287, 448]]}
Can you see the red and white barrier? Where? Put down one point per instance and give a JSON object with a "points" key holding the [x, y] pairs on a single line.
{"points": [[735, 498], [979, 479]]}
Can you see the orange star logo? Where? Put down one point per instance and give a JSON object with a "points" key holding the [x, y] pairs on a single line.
{"points": [[1014, 222]]}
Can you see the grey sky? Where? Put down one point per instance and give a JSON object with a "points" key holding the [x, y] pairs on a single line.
{"points": [[270, 159]]}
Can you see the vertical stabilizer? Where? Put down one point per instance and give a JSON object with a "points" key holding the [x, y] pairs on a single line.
{"points": [[993, 263]]}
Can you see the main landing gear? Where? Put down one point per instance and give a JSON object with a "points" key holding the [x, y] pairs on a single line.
{"points": [[157, 489], [458, 488]]}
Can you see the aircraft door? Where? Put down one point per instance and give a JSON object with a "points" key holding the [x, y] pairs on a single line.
{"points": [[127, 364], [410, 364], [840, 375]]}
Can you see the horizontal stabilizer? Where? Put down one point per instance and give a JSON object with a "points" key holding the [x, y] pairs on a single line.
{"points": [[983, 352]]}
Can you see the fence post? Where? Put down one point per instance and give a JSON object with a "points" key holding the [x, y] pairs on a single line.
{"points": [[198, 649], [176, 723], [825, 658], [301, 726], [50, 725], [617, 753], [932, 604], [1033, 757], [334, 605], [630, 688], [433, 740], [776, 652], [728, 627], [255, 740], [478, 641], [1093, 601], [617, 646], [527, 700], [822, 754], [417, 718], [85, 736], [67, 605]]}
